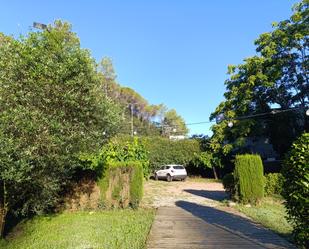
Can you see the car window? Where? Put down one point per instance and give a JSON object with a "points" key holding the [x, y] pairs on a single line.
{"points": [[167, 167], [162, 167], [178, 167]]}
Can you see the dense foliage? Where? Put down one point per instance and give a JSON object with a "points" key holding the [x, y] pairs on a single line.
{"points": [[249, 178], [273, 183], [120, 166], [165, 151], [119, 149], [51, 110], [207, 159], [296, 188], [136, 184], [229, 184], [122, 184], [58, 106], [276, 77], [151, 151], [173, 124]]}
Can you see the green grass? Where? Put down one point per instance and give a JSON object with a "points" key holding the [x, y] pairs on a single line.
{"points": [[83, 230], [271, 214], [201, 179]]}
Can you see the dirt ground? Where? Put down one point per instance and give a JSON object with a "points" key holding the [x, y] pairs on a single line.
{"points": [[165, 194]]}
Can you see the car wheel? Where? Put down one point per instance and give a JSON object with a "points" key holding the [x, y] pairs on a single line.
{"points": [[184, 179], [156, 177], [169, 178]]}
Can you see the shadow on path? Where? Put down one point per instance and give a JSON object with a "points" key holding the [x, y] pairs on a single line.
{"points": [[217, 195], [235, 224]]}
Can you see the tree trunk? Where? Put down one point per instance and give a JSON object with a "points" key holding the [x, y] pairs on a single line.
{"points": [[3, 208], [3, 212], [215, 173]]}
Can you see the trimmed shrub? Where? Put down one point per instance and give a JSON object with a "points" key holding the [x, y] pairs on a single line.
{"points": [[273, 183], [229, 184], [122, 185], [249, 178], [296, 188], [136, 184], [161, 150]]}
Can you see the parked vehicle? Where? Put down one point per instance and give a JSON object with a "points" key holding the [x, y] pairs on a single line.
{"points": [[171, 172]]}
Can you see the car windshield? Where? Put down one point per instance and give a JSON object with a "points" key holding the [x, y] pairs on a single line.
{"points": [[167, 167], [178, 167]]}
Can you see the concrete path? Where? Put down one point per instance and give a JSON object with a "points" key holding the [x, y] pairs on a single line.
{"points": [[189, 225]]}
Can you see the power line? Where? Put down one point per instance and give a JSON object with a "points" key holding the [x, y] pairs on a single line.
{"points": [[202, 122], [273, 112]]}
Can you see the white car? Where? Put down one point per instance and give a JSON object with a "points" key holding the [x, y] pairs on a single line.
{"points": [[170, 172]]}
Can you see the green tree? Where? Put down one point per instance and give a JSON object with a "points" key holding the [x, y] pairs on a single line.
{"points": [[52, 109], [208, 160], [277, 76], [107, 69], [173, 124]]}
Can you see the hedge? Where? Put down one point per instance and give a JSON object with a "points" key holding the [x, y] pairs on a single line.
{"points": [[162, 150], [136, 184], [165, 151], [296, 188], [122, 185], [273, 183], [249, 178]]}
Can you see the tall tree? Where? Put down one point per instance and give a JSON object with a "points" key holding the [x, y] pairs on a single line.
{"points": [[52, 109], [173, 124], [277, 76]]}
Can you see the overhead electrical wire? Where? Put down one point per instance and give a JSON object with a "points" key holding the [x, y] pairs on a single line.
{"points": [[273, 112]]}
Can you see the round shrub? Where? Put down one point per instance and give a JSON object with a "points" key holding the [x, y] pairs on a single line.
{"points": [[296, 188], [273, 183]]}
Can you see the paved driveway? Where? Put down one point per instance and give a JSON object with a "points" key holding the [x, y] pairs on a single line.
{"points": [[189, 216]]}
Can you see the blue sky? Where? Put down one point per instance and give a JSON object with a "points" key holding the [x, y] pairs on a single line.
{"points": [[174, 52]]}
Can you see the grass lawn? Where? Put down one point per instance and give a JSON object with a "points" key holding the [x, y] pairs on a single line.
{"points": [[271, 214], [201, 179], [83, 230]]}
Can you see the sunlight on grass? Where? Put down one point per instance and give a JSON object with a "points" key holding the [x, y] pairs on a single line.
{"points": [[84, 230], [202, 179], [271, 214]]}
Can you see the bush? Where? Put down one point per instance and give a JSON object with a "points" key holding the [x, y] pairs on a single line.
{"points": [[296, 188], [273, 183], [122, 185], [126, 149], [229, 184], [248, 175]]}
